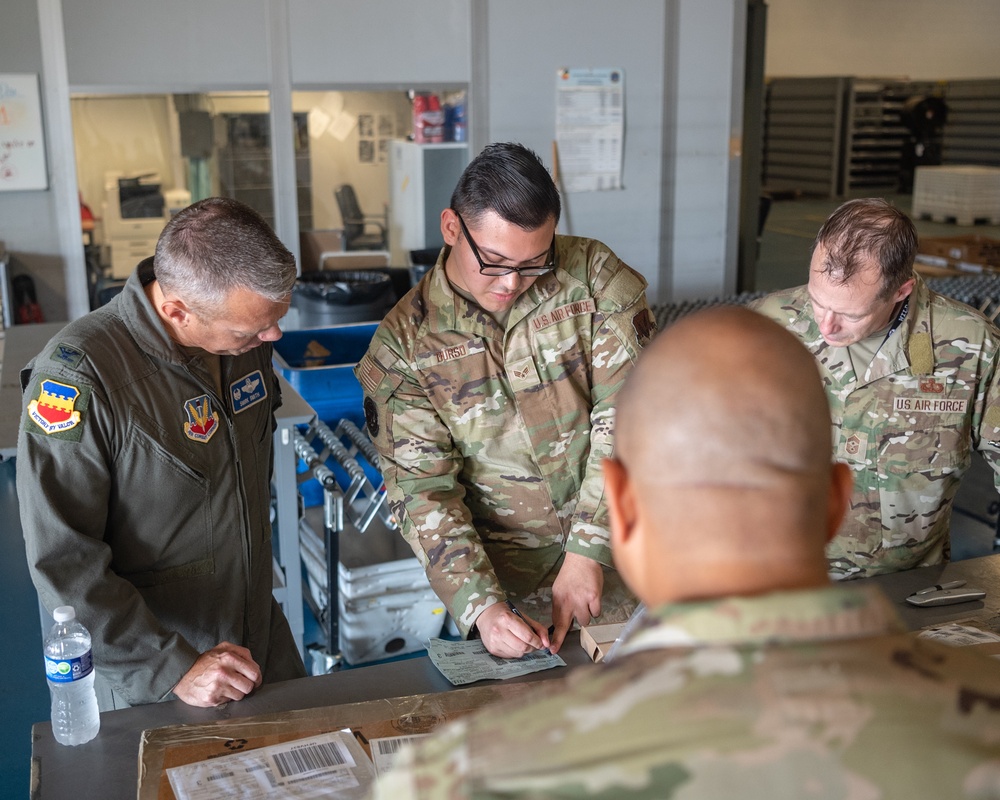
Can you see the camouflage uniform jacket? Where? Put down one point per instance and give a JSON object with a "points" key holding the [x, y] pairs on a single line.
{"points": [[907, 427], [811, 693], [491, 439]]}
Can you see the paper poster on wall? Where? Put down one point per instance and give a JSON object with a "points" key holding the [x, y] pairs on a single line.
{"points": [[590, 128], [22, 144]]}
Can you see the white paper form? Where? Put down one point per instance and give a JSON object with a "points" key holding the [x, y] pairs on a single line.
{"points": [[470, 661], [331, 765], [590, 128], [958, 635]]}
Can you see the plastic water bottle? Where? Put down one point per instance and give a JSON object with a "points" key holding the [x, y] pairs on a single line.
{"points": [[69, 668]]}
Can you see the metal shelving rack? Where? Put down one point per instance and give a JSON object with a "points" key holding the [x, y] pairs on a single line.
{"points": [[971, 132], [803, 120], [837, 136], [245, 165], [874, 134]]}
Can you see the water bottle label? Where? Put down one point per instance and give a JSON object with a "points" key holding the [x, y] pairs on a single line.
{"points": [[67, 670]]}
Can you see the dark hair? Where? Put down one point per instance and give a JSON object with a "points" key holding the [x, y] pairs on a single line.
{"points": [[864, 229], [216, 245], [511, 180]]}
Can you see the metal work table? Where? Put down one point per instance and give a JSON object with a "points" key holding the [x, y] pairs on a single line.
{"points": [[107, 766]]}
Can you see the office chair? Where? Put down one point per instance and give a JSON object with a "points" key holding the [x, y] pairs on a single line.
{"points": [[355, 237]]}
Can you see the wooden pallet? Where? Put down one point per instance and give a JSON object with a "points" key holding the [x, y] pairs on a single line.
{"points": [[960, 219]]}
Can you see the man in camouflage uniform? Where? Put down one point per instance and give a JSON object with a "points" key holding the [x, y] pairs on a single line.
{"points": [[751, 675], [911, 377], [489, 393]]}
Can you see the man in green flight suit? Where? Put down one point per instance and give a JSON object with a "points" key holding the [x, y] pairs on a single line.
{"points": [[144, 466], [490, 391]]}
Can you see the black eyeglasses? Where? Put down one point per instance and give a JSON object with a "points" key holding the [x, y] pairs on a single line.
{"points": [[496, 270]]}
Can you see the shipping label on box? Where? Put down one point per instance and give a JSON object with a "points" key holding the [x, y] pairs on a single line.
{"points": [[161, 749]]}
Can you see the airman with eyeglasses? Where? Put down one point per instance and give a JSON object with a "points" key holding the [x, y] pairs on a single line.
{"points": [[489, 394]]}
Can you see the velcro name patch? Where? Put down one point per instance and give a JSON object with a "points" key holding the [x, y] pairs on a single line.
{"points": [[576, 309], [248, 391], [927, 405]]}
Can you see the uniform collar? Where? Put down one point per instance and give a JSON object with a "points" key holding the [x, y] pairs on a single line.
{"points": [[141, 319], [829, 612]]}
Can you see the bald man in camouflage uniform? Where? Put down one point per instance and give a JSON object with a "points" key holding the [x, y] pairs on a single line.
{"points": [[489, 393], [751, 675], [911, 377]]}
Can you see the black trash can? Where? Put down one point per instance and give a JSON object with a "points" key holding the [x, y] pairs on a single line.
{"points": [[339, 296]]}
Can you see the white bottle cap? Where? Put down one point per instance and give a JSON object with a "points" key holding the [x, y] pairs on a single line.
{"points": [[64, 614]]}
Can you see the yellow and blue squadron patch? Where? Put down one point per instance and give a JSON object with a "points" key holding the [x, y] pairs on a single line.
{"points": [[56, 408]]}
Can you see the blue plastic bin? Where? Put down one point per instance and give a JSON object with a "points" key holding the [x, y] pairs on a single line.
{"points": [[327, 383]]}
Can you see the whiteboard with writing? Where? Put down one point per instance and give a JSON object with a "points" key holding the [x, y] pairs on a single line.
{"points": [[22, 144]]}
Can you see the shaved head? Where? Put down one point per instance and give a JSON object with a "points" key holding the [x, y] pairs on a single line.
{"points": [[722, 433], [730, 397]]}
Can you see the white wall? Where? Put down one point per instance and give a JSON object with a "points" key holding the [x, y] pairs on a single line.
{"points": [[121, 134], [180, 45], [25, 228], [378, 43], [671, 219], [705, 125], [916, 39], [678, 102], [335, 160], [528, 43]]}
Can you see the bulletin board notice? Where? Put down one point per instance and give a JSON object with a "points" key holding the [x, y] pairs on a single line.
{"points": [[590, 128], [22, 144]]}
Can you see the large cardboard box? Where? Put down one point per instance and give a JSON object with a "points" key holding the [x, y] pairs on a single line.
{"points": [[162, 748], [964, 194], [965, 253]]}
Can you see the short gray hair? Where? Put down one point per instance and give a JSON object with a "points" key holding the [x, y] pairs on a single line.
{"points": [[217, 245]]}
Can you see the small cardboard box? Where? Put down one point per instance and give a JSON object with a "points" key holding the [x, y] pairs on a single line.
{"points": [[312, 244], [353, 259], [968, 253], [598, 640]]}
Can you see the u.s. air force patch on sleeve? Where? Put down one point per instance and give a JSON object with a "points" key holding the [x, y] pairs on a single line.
{"points": [[57, 409]]}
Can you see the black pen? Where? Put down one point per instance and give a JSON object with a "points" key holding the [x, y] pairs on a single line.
{"points": [[520, 616], [515, 612]]}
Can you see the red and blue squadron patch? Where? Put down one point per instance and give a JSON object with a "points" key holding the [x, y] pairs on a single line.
{"points": [[202, 421]]}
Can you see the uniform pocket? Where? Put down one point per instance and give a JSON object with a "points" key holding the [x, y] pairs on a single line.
{"points": [[162, 522], [918, 474]]}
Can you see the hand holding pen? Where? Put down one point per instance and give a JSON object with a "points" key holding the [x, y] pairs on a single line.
{"points": [[507, 633]]}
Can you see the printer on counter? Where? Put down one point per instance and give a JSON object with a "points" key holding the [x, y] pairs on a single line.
{"points": [[134, 214]]}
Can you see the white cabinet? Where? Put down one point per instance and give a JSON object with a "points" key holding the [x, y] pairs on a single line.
{"points": [[421, 180]]}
